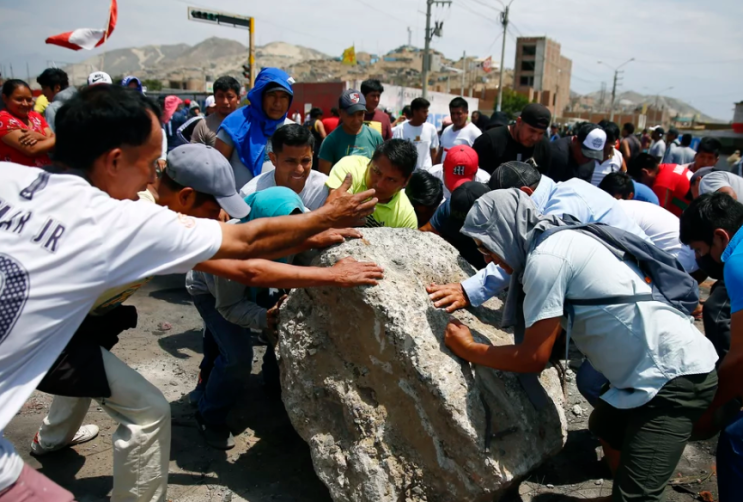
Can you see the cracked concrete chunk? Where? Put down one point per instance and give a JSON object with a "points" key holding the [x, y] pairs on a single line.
{"points": [[388, 411]]}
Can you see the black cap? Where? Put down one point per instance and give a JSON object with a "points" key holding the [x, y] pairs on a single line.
{"points": [[463, 198], [673, 131], [498, 119], [536, 115], [514, 174], [660, 130]]}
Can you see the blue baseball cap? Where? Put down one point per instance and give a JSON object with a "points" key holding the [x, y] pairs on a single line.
{"points": [[352, 101]]}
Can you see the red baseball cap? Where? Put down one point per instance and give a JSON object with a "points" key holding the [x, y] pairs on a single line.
{"points": [[460, 166]]}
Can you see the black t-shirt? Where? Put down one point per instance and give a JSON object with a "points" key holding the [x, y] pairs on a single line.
{"points": [[496, 146], [448, 227], [564, 166]]}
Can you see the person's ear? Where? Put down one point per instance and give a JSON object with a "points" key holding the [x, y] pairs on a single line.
{"points": [[57, 88], [186, 197], [722, 235], [631, 196], [274, 159], [114, 160], [527, 190]]}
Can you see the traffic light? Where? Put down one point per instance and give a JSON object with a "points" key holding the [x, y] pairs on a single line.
{"points": [[246, 71], [204, 15]]}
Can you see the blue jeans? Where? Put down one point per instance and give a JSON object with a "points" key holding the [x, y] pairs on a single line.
{"points": [[730, 461], [590, 382], [225, 378]]}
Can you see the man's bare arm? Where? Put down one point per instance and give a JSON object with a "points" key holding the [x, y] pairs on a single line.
{"points": [[224, 148]]}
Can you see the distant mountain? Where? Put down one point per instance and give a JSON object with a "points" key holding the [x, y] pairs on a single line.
{"points": [[632, 99], [214, 57]]}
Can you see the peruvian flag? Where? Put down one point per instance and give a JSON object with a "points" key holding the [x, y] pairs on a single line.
{"points": [[86, 38]]}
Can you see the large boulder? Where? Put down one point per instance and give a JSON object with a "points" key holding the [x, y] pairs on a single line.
{"points": [[389, 412]]}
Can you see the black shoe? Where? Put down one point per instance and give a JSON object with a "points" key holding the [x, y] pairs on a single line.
{"points": [[216, 436]]}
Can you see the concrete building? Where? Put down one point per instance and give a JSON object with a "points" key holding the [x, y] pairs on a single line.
{"points": [[542, 73]]}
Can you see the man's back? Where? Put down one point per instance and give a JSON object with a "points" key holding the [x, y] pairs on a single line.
{"points": [[496, 146]]}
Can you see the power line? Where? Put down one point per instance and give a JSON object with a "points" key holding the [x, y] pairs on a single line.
{"points": [[386, 14], [461, 4], [488, 5]]}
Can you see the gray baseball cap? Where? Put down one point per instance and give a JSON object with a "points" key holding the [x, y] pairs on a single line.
{"points": [[206, 170], [352, 101]]}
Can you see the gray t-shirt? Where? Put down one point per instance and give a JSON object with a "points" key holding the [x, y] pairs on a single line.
{"points": [[658, 149], [205, 131], [683, 155], [721, 179], [313, 195]]}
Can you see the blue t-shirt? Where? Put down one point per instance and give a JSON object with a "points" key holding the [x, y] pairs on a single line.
{"points": [[645, 194], [733, 271]]}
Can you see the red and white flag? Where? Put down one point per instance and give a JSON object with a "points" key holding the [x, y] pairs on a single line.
{"points": [[487, 65], [87, 38]]}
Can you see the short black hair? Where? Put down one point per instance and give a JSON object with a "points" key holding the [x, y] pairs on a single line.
{"points": [[642, 161], [401, 154], [419, 104], [226, 83], [315, 113], [707, 213], [425, 189], [407, 111], [618, 183], [611, 130], [629, 127], [11, 85], [710, 145], [686, 139], [52, 77], [292, 135], [98, 119], [174, 186], [459, 102], [371, 85], [334, 112]]}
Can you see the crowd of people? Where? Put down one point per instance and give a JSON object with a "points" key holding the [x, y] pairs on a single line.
{"points": [[598, 237]]}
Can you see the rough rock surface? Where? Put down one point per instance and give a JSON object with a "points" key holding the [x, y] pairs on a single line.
{"points": [[389, 412]]}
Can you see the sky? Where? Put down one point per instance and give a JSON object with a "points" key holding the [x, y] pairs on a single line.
{"points": [[694, 47]]}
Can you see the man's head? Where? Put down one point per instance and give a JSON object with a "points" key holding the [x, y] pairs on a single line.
{"points": [[316, 113], [708, 153], [459, 111], [612, 136], [407, 112], [372, 90], [531, 124], [52, 81], [334, 112], [99, 77], [686, 139], [210, 105], [460, 166], [276, 101], [554, 129], [516, 174], [628, 129], [461, 201], [644, 169], [199, 182], [132, 82], [658, 133], [425, 192], [499, 119], [619, 185], [352, 106], [671, 135], [390, 168], [292, 147], [419, 108], [226, 95], [113, 135], [696, 180], [709, 223], [589, 144]]}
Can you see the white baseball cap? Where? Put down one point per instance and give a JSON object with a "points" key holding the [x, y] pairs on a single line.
{"points": [[594, 140], [99, 77], [209, 102]]}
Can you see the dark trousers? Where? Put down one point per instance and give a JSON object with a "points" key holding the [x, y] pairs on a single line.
{"points": [[652, 438], [716, 318]]}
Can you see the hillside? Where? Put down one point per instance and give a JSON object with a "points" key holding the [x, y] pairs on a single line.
{"points": [[632, 99]]}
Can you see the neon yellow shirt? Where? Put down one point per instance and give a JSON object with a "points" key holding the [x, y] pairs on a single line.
{"points": [[397, 213], [41, 104]]}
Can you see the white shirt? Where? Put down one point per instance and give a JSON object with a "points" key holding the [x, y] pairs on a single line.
{"points": [[424, 137], [639, 347], [662, 227], [61, 247], [608, 166], [481, 176], [313, 195], [712, 182], [464, 136]]}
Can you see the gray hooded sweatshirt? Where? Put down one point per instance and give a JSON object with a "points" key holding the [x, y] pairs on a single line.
{"points": [[61, 98]]}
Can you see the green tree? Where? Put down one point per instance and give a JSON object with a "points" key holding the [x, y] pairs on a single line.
{"points": [[152, 84], [513, 102]]}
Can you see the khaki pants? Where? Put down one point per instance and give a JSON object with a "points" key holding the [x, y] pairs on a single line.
{"points": [[141, 443]]}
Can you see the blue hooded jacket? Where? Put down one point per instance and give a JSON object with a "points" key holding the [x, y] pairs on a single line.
{"points": [[249, 127], [131, 78]]}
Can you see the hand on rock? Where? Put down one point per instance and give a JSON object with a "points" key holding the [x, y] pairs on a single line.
{"points": [[349, 273], [272, 314], [349, 210], [333, 236], [451, 296], [458, 338]]}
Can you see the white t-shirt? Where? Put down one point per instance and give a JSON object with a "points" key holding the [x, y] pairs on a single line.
{"points": [[424, 137], [313, 195], [482, 176], [464, 136], [639, 347], [662, 226], [62, 244], [608, 166], [712, 182]]}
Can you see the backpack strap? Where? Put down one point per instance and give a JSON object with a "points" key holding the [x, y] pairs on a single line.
{"points": [[614, 300]]}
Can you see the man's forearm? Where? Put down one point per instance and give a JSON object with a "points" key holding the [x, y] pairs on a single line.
{"points": [[514, 358], [269, 274]]}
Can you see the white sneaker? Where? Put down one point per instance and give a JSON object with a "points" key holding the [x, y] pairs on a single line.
{"points": [[83, 435]]}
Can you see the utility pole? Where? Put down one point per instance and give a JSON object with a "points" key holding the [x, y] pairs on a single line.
{"points": [[504, 22], [614, 86], [410, 37], [430, 33], [464, 70]]}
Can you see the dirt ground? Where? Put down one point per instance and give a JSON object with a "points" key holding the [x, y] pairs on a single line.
{"points": [[270, 461]]}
